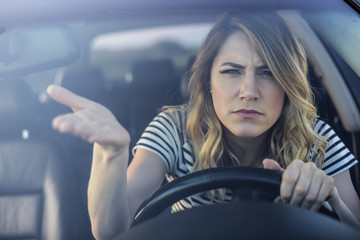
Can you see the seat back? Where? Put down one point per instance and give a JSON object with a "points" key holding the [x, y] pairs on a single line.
{"points": [[154, 84], [34, 185], [89, 83]]}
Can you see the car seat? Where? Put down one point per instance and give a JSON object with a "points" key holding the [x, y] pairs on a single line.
{"points": [[87, 82], [34, 185], [154, 84]]}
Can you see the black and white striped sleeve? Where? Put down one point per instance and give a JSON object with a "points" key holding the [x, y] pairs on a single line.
{"points": [[338, 157], [162, 138]]}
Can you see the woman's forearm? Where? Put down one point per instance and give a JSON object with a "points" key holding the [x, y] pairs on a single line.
{"points": [[107, 193], [342, 210]]}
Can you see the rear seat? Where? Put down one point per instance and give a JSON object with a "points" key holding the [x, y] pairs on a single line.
{"points": [[89, 83], [154, 84], [34, 178]]}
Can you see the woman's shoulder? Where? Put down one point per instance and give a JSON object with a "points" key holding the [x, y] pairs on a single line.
{"points": [[175, 110], [176, 114], [338, 157], [322, 128]]}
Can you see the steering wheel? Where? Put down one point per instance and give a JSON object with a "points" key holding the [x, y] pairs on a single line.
{"points": [[245, 183]]}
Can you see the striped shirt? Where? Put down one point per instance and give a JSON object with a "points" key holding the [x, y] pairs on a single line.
{"points": [[166, 137]]}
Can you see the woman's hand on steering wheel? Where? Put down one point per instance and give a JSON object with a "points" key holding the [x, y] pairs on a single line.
{"points": [[303, 184]]}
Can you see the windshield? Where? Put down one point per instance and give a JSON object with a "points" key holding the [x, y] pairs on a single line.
{"points": [[115, 53], [134, 61]]}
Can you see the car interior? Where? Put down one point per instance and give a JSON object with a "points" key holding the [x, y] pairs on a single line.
{"points": [[44, 174]]}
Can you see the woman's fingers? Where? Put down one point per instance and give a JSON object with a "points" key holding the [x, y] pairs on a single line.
{"points": [[67, 98], [312, 196], [92, 126], [272, 165], [76, 124], [325, 192], [289, 181], [304, 185], [90, 120]]}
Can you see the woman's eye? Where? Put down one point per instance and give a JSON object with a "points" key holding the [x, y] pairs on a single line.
{"points": [[230, 71], [266, 73]]}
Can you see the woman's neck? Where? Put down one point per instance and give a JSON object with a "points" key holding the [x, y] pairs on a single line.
{"points": [[249, 151]]}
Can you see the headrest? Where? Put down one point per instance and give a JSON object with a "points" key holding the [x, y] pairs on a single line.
{"points": [[87, 82], [153, 75]]}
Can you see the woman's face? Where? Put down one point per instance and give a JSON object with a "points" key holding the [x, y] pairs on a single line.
{"points": [[246, 97]]}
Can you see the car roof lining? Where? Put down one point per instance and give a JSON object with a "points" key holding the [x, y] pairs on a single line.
{"points": [[39, 10]]}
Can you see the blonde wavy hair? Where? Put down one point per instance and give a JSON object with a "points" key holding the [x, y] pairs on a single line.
{"points": [[292, 136]]}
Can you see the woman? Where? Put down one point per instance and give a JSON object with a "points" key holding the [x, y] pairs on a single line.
{"points": [[250, 105]]}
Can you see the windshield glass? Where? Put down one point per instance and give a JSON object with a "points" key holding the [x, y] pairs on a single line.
{"points": [[115, 53], [132, 64]]}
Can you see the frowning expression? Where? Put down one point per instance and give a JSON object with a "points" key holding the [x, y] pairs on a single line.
{"points": [[246, 97]]}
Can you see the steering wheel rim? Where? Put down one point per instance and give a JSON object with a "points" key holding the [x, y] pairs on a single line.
{"points": [[246, 183], [242, 220]]}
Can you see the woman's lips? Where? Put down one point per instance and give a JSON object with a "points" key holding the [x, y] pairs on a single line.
{"points": [[248, 114]]}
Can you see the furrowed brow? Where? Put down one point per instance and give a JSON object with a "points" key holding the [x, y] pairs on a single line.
{"points": [[232, 64], [262, 67], [236, 65]]}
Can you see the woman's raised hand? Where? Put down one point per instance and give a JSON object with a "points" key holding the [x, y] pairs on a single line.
{"points": [[89, 120]]}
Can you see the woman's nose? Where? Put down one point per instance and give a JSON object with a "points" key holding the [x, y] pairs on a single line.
{"points": [[248, 87]]}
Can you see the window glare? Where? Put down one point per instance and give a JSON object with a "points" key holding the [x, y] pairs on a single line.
{"points": [[187, 35], [116, 53]]}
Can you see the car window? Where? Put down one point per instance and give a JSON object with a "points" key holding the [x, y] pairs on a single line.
{"points": [[132, 57], [116, 52]]}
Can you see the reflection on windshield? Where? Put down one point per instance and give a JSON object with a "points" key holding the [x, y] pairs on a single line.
{"points": [[116, 53]]}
